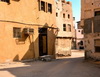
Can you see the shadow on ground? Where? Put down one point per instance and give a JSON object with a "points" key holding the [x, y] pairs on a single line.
{"points": [[56, 68]]}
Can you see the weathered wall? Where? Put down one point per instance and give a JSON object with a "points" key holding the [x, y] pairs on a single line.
{"points": [[16, 11], [91, 26], [14, 49], [63, 46]]}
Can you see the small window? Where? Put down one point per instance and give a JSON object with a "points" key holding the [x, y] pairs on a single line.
{"points": [[16, 32], [97, 45], [97, 13], [78, 30], [63, 15], [82, 32], [8, 1], [42, 6], [50, 8], [39, 8], [81, 42], [56, 14], [64, 27], [68, 2], [68, 16], [69, 28]]}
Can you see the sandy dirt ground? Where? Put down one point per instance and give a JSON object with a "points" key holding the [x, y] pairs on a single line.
{"points": [[73, 66]]}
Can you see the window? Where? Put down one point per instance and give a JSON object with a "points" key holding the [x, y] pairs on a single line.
{"points": [[81, 42], [63, 15], [68, 2], [97, 45], [69, 28], [8, 1], [50, 8], [64, 27], [82, 32], [68, 16], [42, 6], [97, 13], [39, 5], [56, 14], [16, 32]]}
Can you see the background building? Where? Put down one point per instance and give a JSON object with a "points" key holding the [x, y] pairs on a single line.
{"points": [[79, 37], [27, 29], [64, 21], [90, 21]]}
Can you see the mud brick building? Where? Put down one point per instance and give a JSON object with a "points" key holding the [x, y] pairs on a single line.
{"points": [[64, 21], [27, 29], [90, 22]]}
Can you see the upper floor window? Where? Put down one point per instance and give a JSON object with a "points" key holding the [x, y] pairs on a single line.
{"points": [[81, 42], [68, 16], [64, 27], [56, 14], [8, 1], [69, 28], [63, 15], [97, 13], [42, 5], [97, 45], [82, 32], [50, 8], [16, 32], [68, 2]]}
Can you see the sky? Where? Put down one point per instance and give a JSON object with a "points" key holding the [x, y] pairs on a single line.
{"points": [[76, 6]]}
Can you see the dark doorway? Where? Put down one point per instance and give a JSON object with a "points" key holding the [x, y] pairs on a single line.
{"points": [[81, 47], [42, 41]]}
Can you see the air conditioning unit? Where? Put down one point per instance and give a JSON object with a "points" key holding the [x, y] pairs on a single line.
{"points": [[28, 30]]}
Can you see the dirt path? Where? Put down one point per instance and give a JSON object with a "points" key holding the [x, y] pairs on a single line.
{"points": [[73, 66]]}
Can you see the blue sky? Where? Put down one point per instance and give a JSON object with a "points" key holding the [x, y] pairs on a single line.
{"points": [[76, 4]]}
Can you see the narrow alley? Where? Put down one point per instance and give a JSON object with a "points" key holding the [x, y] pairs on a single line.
{"points": [[74, 66]]}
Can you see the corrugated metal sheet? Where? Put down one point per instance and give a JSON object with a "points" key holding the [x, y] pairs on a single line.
{"points": [[96, 24], [88, 25]]}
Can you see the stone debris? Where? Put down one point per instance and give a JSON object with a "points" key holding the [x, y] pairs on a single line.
{"points": [[46, 58]]}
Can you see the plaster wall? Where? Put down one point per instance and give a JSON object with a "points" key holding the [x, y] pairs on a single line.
{"points": [[24, 14]]}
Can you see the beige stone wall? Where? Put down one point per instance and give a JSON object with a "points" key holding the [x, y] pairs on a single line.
{"points": [[24, 14], [14, 49], [88, 12], [63, 46], [16, 11]]}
